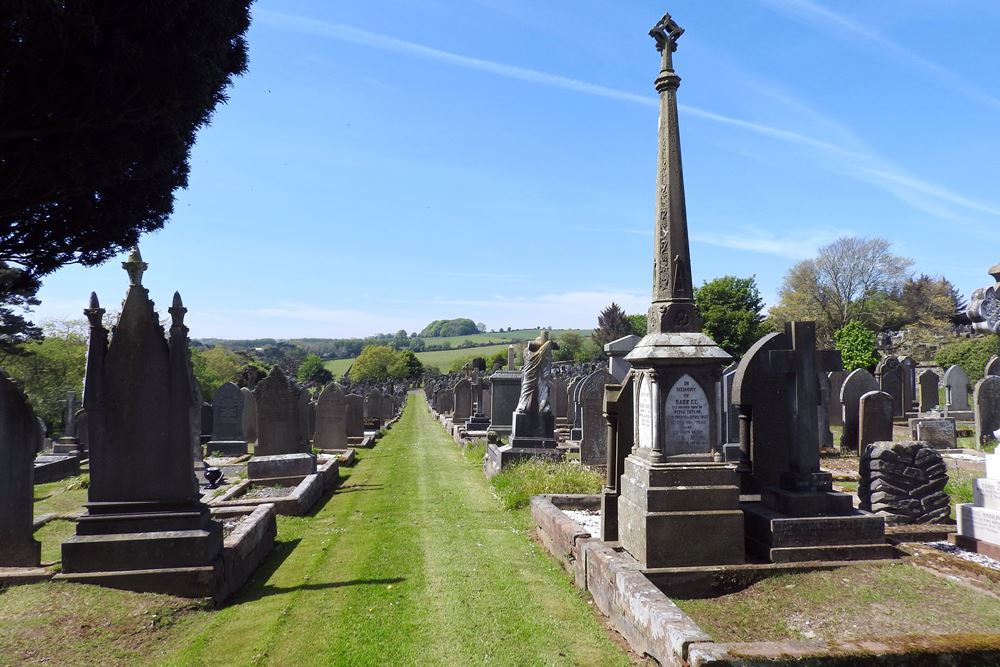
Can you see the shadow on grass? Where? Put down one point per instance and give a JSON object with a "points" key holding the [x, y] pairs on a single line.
{"points": [[264, 591], [351, 488], [250, 591]]}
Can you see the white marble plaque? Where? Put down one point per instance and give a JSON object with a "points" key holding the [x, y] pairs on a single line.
{"points": [[644, 414], [687, 418], [979, 522], [986, 493]]}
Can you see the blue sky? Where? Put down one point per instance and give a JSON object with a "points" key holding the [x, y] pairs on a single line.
{"points": [[389, 162]]}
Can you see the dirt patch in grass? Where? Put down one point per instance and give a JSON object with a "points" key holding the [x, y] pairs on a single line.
{"points": [[849, 603], [75, 624], [844, 468]]}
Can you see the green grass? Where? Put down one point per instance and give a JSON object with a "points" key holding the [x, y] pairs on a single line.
{"points": [[959, 486], [846, 603], [475, 452], [52, 535], [516, 484], [61, 497], [412, 561]]}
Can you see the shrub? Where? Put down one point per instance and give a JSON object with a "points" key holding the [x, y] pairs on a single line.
{"points": [[970, 353], [857, 346], [515, 485]]}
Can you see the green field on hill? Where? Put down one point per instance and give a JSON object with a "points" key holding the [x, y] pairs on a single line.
{"points": [[490, 344]]}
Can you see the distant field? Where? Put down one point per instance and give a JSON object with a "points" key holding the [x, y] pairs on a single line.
{"points": [[444, 358]]}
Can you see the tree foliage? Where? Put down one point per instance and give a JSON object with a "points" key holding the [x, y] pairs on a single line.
{"points": [[49, 368], [381, 362], [639, 323], [461, 326], [612, 324], [971, 354], [213, 367], [100, 103], [848, 280], [731, 312], [312, 372], [857, 346]]}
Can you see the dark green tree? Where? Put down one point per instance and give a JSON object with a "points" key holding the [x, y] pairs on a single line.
{"points": [[857, 346], [639, 323], [731, 312], [612, 324], [313, 372], [100, 103]]}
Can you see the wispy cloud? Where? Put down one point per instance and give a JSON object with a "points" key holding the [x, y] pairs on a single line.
{"points": [[845, 155], [816, 14], [756, 240]]}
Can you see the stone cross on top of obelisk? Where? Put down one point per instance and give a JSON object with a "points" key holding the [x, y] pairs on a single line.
{"points": [[673, 309]]}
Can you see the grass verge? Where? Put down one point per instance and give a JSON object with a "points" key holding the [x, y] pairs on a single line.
{"points": [[515, 485]]}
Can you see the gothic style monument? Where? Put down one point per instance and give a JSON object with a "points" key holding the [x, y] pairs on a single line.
{"points": [[678, 504], [533, 430]]}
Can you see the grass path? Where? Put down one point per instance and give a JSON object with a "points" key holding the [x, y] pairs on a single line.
{"points": [[412, 561]]}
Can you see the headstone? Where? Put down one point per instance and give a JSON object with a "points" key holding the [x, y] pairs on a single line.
{"points": [[279, 422], [875, 418], [249, 415], [986, 403], [956, 386], [559, 403], [619, 411], [904, 483], [992, 366], [463, 400], [858, 383], [18, 442], [373, 409], [140, 395], [927, 391], [355, 415], [305, 432], [504, 393], [979, 521], [594, 444], [835, 412], [616, 350], [228, 405], [445, 400], [937, 433], [909, 369], [331, 418], [510, 357], [890, 379], [83, 430], [730, 416], [207, 417]]}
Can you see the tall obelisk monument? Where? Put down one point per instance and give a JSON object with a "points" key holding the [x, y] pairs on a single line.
{"points": [[678, 506]]}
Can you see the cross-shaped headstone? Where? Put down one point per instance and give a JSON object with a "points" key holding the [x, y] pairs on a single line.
{"points": [[799, 365]]}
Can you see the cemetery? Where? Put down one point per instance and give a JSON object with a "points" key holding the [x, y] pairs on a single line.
{"points": [[706, 483]]}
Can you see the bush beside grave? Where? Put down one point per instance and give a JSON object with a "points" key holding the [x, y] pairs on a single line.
{"points": [[970, 353]]}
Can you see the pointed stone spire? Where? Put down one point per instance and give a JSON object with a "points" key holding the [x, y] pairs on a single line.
{"points": [[177, 311], [673, 309], [135, 267]]}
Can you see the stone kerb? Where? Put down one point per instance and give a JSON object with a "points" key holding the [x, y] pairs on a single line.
{"points": [[331, 418]]}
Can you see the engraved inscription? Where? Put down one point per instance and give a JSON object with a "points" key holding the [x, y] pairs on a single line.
{"points": [[687, 418], [644, 415]]}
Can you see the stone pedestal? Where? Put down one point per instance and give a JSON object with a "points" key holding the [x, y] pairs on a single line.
{"points": [[66, 445], [777, 537], [533, 436], [680, 514], [979, 521]]}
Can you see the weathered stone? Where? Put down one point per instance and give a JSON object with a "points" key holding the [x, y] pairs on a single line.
{"points": [[281, 465], [956, 384], [927, 391], [909, 371], [594, 444], [279, 419], [331, 418], [228, 405], [856, 384], [823, 411], [890, 379], [992, 366], [939, 433], [616, 350], [504, 393], [916, 494], [835, 410], [986, 403], [18, 427], [355, 415], [249, 415], [875, 418], [463, 400]]}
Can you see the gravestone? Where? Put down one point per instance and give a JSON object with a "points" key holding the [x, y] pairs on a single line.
{"points": [[279, 419], [616, 350], [144, 510], [823, 411], [206, 421], [858, 383], [956, 387], [875, 418], [18, 436], [992, 367], [487, 407], [890, 379], [504, 393], [986, 403], [355, 418], [909, 370], [249, 415], [576, 432], [463, 401], [228, 405], [82, 430], [559, 403], [730, 417], [570, 395], [594, 444], [373, 409], [305, 431], [331, 418], [835, 411], [979, 521], [904, 483], [938, 433], [927, 391], [445, 400]]}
